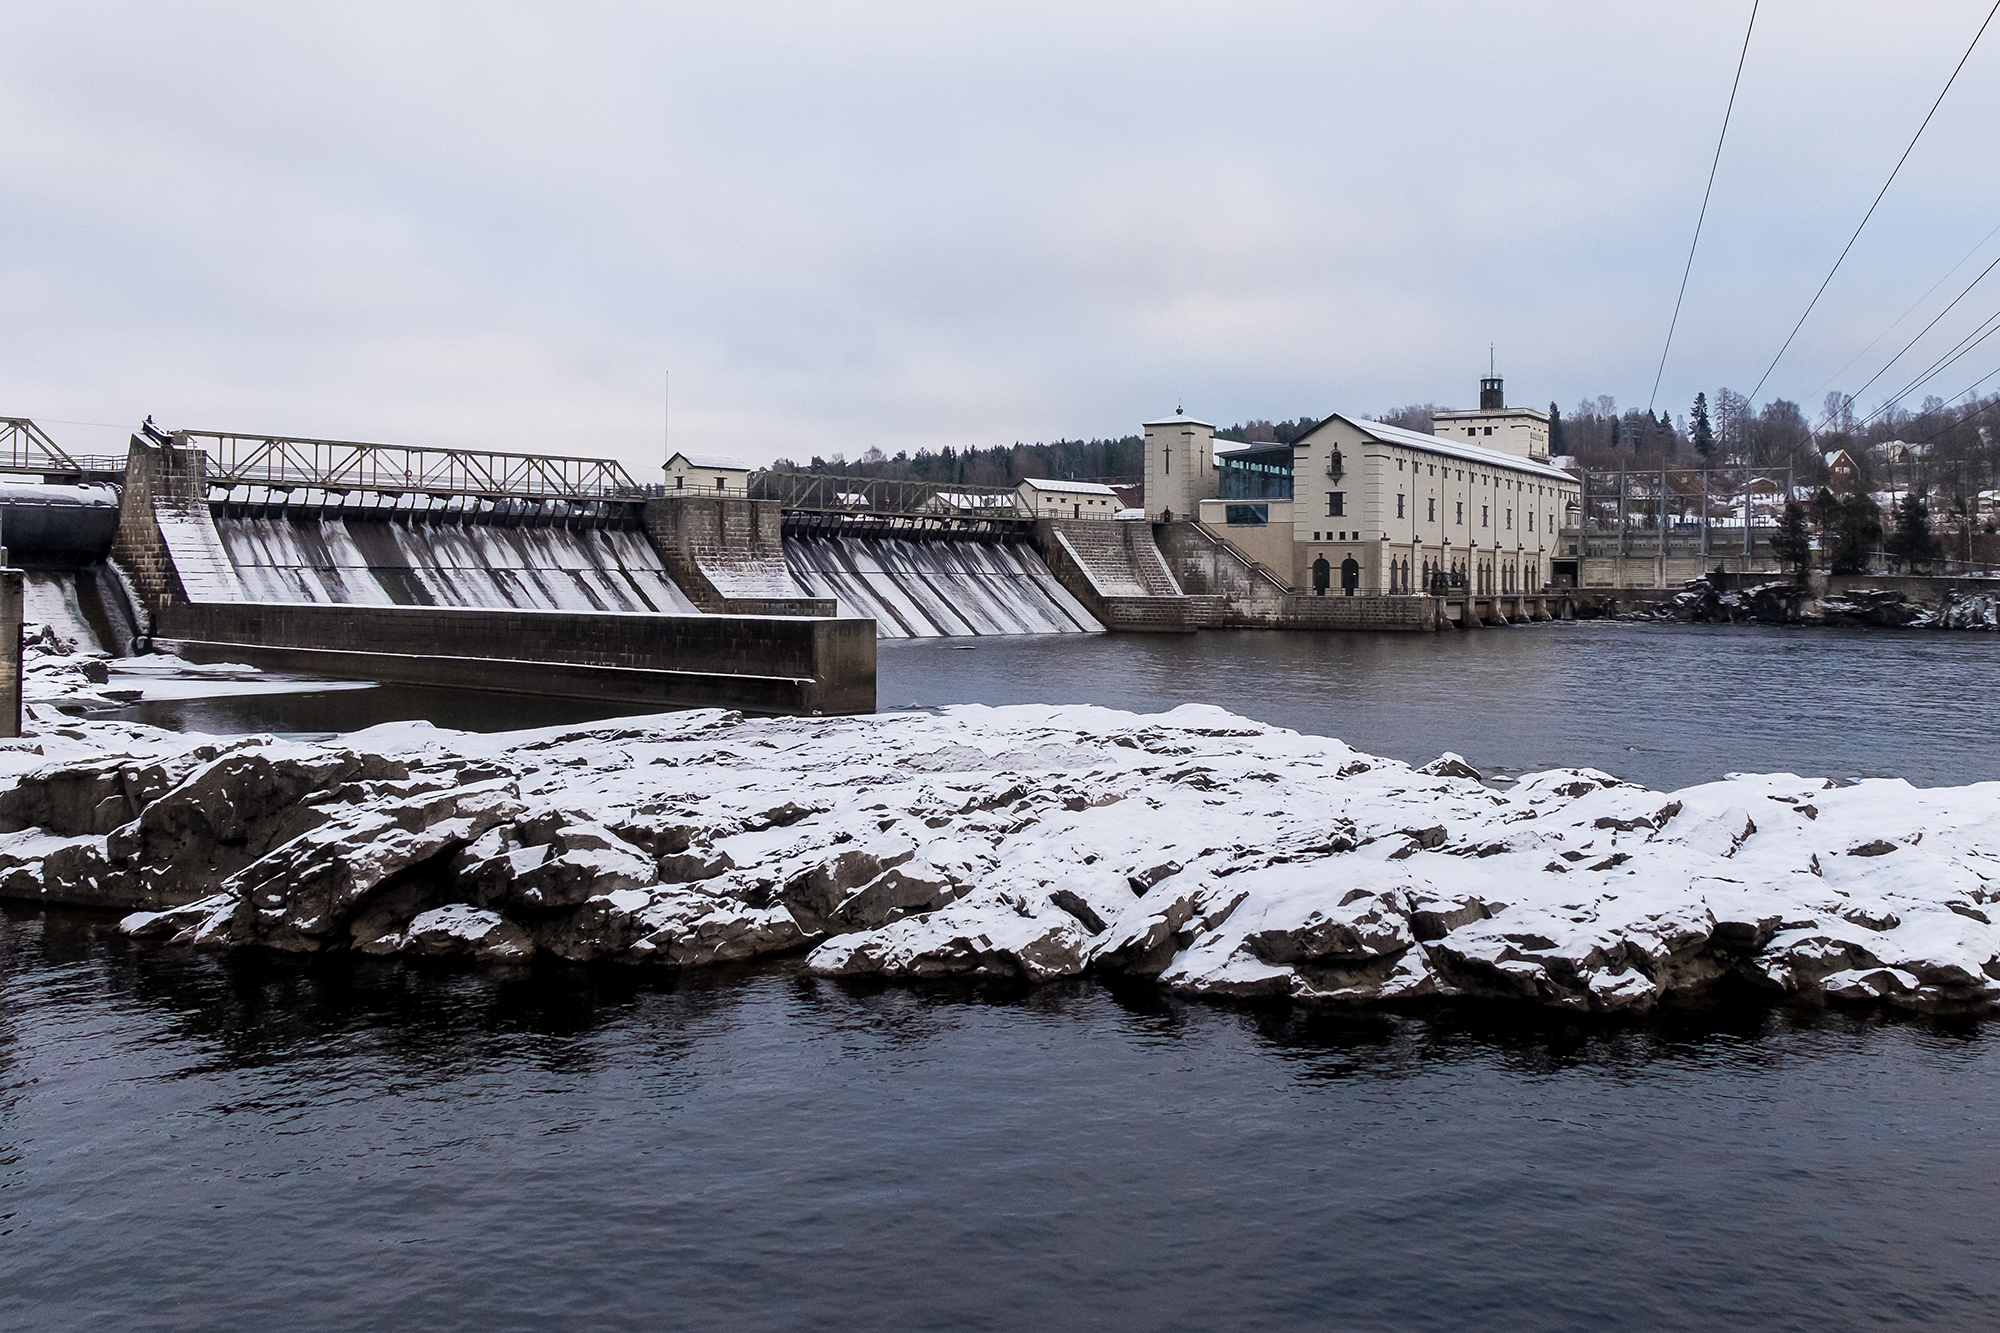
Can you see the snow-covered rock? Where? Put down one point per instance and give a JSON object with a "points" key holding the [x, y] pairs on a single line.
{"points": [[1221, 856]]}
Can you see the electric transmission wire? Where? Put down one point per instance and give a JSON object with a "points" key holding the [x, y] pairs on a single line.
{"points": [[1878, 200], [1990, 325], [1703, 215], [1897, 321], [1969, 416], [1911, 343]]}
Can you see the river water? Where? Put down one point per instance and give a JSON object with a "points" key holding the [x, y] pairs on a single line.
{"points": [[1666, 705], [243, 1143]]}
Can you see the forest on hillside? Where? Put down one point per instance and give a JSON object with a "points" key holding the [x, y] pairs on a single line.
{"points": [[1957, 446]]}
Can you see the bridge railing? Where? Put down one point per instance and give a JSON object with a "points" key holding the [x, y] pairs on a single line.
{"points": [[26, 447], [818, 492], [278, 462]]}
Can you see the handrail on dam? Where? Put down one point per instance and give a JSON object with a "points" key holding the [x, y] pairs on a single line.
{"points": [[818, 492], [26, 447], [278, 462]]}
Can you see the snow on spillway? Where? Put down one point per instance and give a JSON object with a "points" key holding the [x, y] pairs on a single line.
{"points": [[51, 599], [928, 589], [1218, 855], [394, 563]]}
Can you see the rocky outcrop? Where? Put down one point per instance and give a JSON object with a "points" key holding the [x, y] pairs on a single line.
{"points": [[1783, 603], [1214, 856]]}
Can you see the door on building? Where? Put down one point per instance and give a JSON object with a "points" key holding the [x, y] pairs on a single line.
{"points": [[1350, 575], [1322, 576]]}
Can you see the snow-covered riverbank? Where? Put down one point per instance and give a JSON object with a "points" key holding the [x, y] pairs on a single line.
{"points": [[1220, 855]]}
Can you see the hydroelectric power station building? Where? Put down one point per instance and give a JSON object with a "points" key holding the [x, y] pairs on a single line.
{"points": [[1358, 508]]}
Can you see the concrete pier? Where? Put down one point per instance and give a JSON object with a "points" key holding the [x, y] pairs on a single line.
{"points": [[11, 603]]}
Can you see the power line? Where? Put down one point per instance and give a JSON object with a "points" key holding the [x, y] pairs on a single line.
{"points": [[1969, 416], [1878, 200], [1703, 215], [1912, 342], [1907, 313], [1991, 325]]}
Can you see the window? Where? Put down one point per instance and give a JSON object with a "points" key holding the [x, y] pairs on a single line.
{"points": [[1510, 520], [1482, 516], [1434, 469], [1166, 461], [1531, 520], [1315, 536], [721, 483], [1246, 516], [1336, 503], [1489, 430], [1434, 510], [1399, 506], [1470, 430], [1461, 513], [1399, 465]]}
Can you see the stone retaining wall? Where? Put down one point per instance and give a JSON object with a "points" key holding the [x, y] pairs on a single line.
{"points": [[1392, 614]]}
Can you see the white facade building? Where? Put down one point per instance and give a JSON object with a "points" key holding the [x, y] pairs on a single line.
{"points": [[707, 474], [1385, 508], [1067, 499], [1494, 425]]}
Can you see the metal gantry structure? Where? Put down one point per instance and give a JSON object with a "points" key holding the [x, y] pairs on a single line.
{"points": [[27, 448], [1682, 511], [279, 463], [814, 501]]}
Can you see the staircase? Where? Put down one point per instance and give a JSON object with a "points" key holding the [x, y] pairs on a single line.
{"points": [[1115, 569]]}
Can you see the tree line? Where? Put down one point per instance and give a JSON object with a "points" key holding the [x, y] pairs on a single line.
{"points": [[1000, 465]]}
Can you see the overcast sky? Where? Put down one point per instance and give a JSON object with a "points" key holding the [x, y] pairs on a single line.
{"points": [[497, 225]]}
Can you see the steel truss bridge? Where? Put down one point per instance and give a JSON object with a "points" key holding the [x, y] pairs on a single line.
{"points": [[26, 449], [274, 468], [283, 463]]}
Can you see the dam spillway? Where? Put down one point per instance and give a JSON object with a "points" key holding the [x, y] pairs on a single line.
{"points": [[401, 561], [929, 588]]}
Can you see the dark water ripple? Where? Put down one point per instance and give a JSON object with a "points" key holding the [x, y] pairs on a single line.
{"points": [[190, 1142]]}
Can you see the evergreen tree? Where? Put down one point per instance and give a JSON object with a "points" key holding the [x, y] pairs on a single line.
{"points": [[1912, 540], [1792, 542], [1704, 432], [1853, 532], [1557, 445]]}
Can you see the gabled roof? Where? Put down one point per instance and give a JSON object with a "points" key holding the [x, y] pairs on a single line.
{"points": [[1440, 444], [711, 461], [1068, 487]]}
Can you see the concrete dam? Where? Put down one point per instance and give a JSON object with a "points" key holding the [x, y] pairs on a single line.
{"points": [[509, 572]]}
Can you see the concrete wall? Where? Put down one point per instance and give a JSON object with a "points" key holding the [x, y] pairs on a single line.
{"points": [[1391, 614], [1269, 544], [761, 664], [728, 555], [153, 477], [10, 651]]}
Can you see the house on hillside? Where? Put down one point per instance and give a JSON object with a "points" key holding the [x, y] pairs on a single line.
{"points": [[1843, 474]]}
